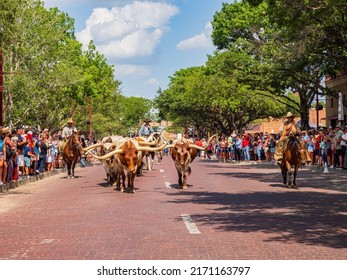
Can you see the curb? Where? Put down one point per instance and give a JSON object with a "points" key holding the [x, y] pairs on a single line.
{"points": [[15, 184]]}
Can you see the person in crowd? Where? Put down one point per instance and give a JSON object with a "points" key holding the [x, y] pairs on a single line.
{"points": [[2, 157], [49, 157], [238, 149], [231, 149], [22, 142], [258, 145], [29, 156], [245, 146], [198, 142], [310, 146], [344, 147], [146, 129], [338, 146], [42, 153], [223, 149], [13, 163], [10, 150], [83, 157], [317, 146], [272, 146]]}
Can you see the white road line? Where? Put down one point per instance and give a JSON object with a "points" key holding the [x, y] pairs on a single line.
{"points": [[168, 185], [191, 226], [161, 170]]}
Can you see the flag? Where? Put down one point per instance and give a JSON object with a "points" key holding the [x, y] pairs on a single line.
{"points": [[340, 113]]}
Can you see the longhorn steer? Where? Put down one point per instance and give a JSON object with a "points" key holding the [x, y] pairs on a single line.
{"points": [[127, 155], [114, 170], [183, 153]]}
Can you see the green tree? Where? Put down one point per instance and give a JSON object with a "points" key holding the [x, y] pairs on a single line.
{"points": [[279, 65]]}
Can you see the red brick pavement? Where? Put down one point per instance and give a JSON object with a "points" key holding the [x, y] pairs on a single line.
{"points": [[242, 212]]}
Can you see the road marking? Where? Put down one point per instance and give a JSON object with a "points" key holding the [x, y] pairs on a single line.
{"points": [[190, 225], [161, 170], [168, 185]]}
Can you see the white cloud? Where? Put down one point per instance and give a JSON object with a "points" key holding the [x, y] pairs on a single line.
{"points": [[129, 31], [199, 41], [129, 69], [152, 82]]}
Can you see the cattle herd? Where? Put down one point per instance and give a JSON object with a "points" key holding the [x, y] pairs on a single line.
{"points": [[123, 158]]}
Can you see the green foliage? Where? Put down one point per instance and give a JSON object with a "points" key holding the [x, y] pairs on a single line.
{"points": [[52, 78]]}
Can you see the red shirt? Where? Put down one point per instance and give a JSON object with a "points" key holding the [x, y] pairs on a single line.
{"points": [[318, 140], [245, 141]]}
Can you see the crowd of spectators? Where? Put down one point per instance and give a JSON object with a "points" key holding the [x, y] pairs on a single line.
{"points": [[325, 146], [26, 152]]}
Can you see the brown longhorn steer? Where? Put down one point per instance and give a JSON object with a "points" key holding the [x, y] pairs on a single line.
{"points": [[183, 153], [127, 155]]}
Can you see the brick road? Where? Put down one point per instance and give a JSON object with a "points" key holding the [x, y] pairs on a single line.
{"points": [[233, 212]]}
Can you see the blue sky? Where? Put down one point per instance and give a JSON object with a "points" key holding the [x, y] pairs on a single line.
{"points": [[146, 41]]}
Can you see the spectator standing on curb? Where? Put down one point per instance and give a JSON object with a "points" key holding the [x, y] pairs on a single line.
{"points": [[317, 147], [272, 146], [245, 147], [338, 145], [10, 150], [310, 147], [29, 156], [344, 139], [198, 142], [238, 149], [2, 157], [22, 142], [42, 153]]}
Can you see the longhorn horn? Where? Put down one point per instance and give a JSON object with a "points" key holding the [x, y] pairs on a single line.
{"points": [[91, 147], [197, 147], [148, 149], [146, 143], [110, 154], [209, 140]]}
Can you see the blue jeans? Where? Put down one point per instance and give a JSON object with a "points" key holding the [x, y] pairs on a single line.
{"points": [[41, 164], [246, 153]]}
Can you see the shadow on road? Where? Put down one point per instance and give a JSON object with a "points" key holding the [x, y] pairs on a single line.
{"points": [[303, 217], [295, 215]]}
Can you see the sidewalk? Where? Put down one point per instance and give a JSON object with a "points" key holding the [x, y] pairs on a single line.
{"points": [[272, 165]]}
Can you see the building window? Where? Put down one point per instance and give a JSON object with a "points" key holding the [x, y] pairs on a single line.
{"points": [[331, 102]]}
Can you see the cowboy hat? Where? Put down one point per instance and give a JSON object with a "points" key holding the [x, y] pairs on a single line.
{"points": [[289, 115], [5, 130], [70, 120]]}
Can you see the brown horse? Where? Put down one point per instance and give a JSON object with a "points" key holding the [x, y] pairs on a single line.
{"points": [[71, 154], [291, 162]]}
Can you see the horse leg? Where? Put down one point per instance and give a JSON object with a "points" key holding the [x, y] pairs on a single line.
{"points": [[68, 167], [289, 175], [295, 173], [289, 178], [284, 175], [73, 169]]}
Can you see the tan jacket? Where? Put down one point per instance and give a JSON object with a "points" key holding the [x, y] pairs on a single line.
{"points": [[288, 128]]}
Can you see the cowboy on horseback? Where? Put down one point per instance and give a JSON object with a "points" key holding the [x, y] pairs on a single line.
{"points": [[67, 132], [290, 127]]}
